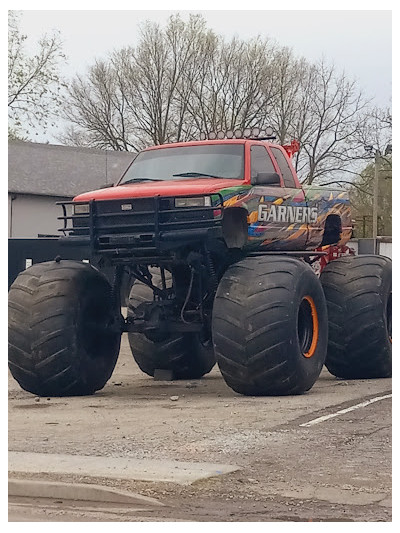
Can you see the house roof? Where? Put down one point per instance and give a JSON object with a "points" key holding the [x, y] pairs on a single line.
{"points": [[64, 171]]}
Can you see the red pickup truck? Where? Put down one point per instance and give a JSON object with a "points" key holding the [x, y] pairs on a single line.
{"points": [[264, 203], [217, 239]]}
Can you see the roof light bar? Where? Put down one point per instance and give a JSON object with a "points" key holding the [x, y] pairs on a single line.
{"points": [[246, 133]]}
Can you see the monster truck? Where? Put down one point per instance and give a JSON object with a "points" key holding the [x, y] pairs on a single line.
{"points": [[217, 238]]}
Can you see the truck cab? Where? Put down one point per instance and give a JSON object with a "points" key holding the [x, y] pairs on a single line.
{"points": [[244, 191]]}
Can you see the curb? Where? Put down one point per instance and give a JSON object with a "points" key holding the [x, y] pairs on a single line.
{"points": [[76, 491], [128, 468]]}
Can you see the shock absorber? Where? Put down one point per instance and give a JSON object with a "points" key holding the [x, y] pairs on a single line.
{"points": [[116, 286], [211, 270]]}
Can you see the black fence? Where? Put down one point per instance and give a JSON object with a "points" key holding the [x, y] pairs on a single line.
{"points": [[23, 253]]}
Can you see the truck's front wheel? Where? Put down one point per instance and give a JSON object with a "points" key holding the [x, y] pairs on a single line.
{"points": [[186, 356], [63, 330], [270, 326]]}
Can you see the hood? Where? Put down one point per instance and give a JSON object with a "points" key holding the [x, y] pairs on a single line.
{"points": [[162, 188]]}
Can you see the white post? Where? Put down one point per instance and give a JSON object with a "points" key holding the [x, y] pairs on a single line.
{"points": [[375, 200]]}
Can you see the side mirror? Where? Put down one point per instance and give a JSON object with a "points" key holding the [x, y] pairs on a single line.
{"points": [[107, 185], [266, 178]]}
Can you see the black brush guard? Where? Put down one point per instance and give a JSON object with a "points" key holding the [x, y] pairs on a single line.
{"points": [[140, 227]]}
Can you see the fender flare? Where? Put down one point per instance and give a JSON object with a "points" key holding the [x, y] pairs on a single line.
{"points": [[235, 227]]}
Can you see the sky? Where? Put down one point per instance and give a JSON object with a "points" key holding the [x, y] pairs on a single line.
{"points": [[356, 41]]}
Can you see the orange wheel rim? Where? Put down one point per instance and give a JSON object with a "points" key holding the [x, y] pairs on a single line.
{"points": [[308, 326]]}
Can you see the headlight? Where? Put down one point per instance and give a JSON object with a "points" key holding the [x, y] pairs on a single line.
{"points": [[81, 209], [199, 201]]}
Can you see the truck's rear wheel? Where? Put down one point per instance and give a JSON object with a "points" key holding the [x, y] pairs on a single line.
{"points": [[63, 339], [187, 355], [358, 292], [270, 326]]}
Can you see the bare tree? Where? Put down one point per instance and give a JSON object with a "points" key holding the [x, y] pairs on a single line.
{"points": [[97, 110], [235, 87], [141, 95], [184, 79], [336, 110], [377, 128], [34, 83]]}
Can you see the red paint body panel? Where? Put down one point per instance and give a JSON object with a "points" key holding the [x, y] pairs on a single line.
{"points": [[162, 188], [187, 186]]}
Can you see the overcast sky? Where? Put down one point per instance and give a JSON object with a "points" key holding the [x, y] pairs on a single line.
{"points": [[357, 41]]}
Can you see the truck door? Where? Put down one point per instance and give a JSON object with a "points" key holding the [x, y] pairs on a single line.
{"points": [[264, 227], [297, 213], [279, 221]]}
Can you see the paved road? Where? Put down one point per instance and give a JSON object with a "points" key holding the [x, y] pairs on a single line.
{"points": [[323, 456]]}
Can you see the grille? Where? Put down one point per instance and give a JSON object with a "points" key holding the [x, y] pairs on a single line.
{"points": [[141, 223]]}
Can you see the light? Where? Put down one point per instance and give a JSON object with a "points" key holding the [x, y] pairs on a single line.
{"points": [[255, 132], [212, 135], [81, 209], [269, 131], [196, 201], [238, 134], [203, 136], [229, 134], [247, 132], [220, 135]]}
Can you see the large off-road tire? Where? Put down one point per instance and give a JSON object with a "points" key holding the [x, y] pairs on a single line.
{"points": [[186, 355], [270, 326], [60, 341], [358, 292]]}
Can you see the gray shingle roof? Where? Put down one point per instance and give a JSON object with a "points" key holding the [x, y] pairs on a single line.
{"points": [[54, 170]]}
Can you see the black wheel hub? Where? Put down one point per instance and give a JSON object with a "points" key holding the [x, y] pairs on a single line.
{"points": [[305, 327]]}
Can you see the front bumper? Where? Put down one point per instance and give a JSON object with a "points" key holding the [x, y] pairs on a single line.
{"points": [[141, 226]]}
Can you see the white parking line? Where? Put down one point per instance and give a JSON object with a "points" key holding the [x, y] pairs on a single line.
{"points": [[343, 411]]}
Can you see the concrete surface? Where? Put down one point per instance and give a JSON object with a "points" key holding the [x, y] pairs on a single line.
{"points": [[27, 488], [338, 469], [126, 468]]}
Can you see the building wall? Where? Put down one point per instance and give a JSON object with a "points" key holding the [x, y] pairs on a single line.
{"points": [[366, 246], [385, 248], [32, 215]]}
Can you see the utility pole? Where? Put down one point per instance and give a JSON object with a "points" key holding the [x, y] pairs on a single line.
{"points": [[378, 159], [375, 198]]}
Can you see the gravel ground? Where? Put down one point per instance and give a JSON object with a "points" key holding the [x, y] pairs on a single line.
{"points": [[336, 470]]}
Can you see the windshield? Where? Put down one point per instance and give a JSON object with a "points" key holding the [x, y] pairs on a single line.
{"points": [[210, 160]]}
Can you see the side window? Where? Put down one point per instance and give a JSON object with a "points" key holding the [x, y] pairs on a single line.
{"points": [[260, 161], [285, 168]]}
